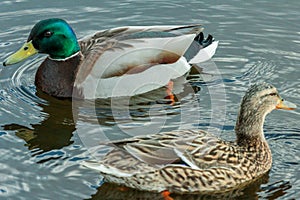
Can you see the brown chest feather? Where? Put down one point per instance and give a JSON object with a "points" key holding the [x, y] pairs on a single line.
{"points": [[56, 78]]}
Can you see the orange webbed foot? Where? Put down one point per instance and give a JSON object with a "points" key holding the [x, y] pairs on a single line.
{"points": [[166, 195], [169, 92]]}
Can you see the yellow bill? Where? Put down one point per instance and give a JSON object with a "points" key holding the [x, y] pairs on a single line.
{"points": [[24, 52], [285, 105]]}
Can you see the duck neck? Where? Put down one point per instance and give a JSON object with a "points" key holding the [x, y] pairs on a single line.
{"points": [[66, 58], [56, 78], [249, 127]]}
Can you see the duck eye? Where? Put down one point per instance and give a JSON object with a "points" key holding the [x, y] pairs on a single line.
{"points": [[47, 34], [273, 94]]}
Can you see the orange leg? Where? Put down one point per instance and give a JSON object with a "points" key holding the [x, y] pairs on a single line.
{"points": [[170, 95], [122, 188], [166, 195]]}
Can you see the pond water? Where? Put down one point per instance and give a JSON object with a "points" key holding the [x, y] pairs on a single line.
{"points": [[43, 140]]}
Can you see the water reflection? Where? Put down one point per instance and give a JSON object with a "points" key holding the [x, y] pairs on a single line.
{"points": [[111, 191], [62, 118], [150, 113], [276, 190], [258, 41], [54, 132]]}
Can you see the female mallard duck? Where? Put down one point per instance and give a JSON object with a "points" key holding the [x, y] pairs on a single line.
{"points": [[195, 161], [123, 61]]}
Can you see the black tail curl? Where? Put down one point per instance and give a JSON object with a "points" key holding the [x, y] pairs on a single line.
{"points": [[204, 42]]}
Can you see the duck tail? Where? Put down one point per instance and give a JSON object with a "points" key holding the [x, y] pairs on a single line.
{"points": [[103, 169], [201, 49]]}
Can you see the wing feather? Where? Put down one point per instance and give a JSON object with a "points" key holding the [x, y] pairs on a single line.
{"points": [[111, 54]]}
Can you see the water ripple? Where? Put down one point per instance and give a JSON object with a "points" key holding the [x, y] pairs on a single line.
{"points": [[40, 145]]}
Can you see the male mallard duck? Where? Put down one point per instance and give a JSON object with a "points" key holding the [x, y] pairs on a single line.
{"points": [[122, 61], [196, 161]]}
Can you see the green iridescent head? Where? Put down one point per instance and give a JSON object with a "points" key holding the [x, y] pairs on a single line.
{"points": [[54, 37], [51, 36]]}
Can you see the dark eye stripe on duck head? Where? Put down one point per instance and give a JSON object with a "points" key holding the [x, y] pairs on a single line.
{"points": [[54, 37], [271, 94], [274, 94], [259, 90]]}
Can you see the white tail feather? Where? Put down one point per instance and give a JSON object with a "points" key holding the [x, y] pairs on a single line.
{"points": [[104, 169], [205, 54], [186, 160], [179, 44]]}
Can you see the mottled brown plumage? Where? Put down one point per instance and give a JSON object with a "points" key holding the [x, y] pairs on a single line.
{"points": [[194, 161]]}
